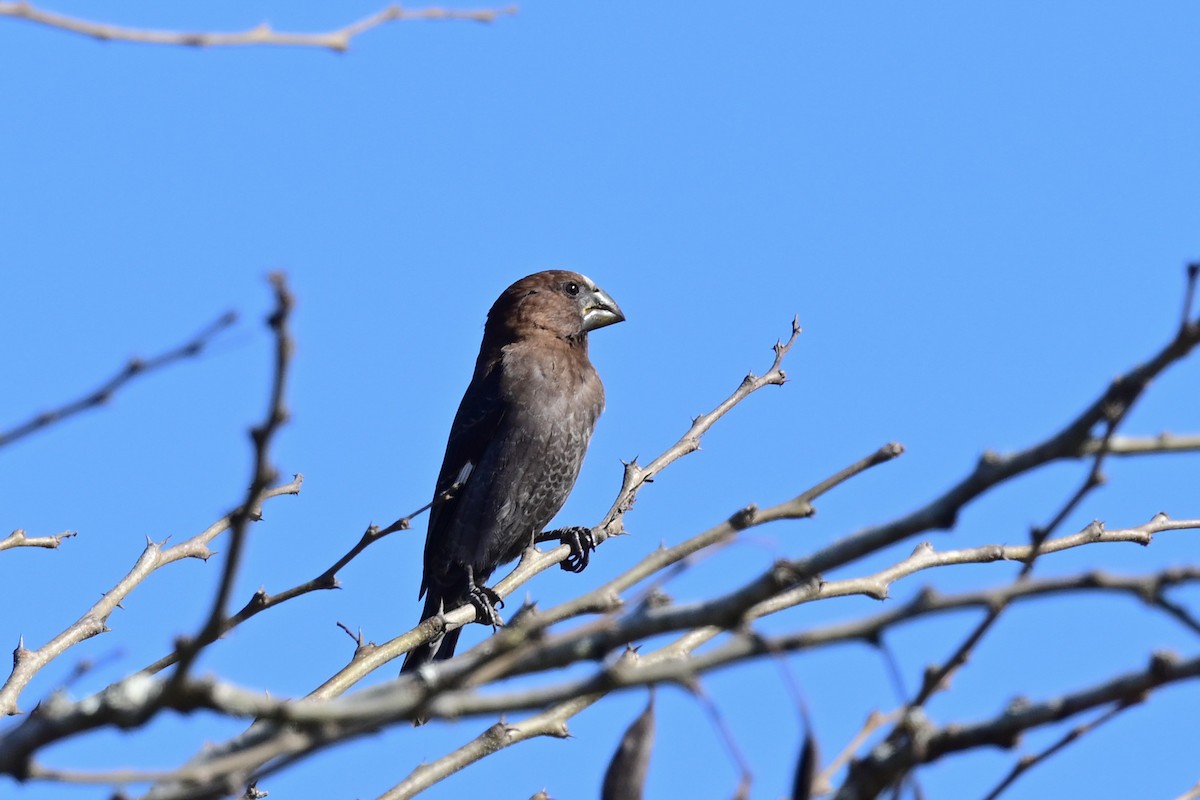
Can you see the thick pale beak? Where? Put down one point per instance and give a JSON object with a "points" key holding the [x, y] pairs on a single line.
{"points": [[601, 310]]}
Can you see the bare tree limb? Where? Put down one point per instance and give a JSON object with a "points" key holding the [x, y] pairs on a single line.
{"points": [[360, 713], [994, 469], [937, 677], [1111, 412], [261, 601], [704, 620], [336, 40], [19, 538], [264, 474], [1144, 445], [637, 476], [875, 720], [134, 369], [887, 763], [27, 663], [1029, 761], [552, 722], [286, 731]]}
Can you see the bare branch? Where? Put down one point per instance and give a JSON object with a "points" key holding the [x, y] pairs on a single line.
{"points": [[1191, 794], [336, 40], [637, 476], [135, 368], [875, 720], [936, 677], [264, 474], [286, 731], [19, 538], [994, 469], [607, 597], [552, 722], [94, 621], [1144, 445], [1028, 762], [890, 761], [261, 601], [707, 619]]}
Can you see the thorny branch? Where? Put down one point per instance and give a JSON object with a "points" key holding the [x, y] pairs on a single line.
{"points": [[884, 766], [288, 730], [264, 34], [1110, 412], [261, 600], [19, 538], [27, 663], [264, 475]]}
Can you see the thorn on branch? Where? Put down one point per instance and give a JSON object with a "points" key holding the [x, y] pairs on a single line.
{"points": [[1162, 663], [1189, 294]]}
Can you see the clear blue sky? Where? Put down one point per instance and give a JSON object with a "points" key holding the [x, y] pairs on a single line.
{"points": [[979, 212]]}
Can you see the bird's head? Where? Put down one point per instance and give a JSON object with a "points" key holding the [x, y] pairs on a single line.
{"points": [[565, 304]]}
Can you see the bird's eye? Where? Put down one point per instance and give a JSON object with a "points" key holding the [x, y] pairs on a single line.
{"points": [[571, 288]]}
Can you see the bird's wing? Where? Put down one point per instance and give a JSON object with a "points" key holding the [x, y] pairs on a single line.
{"points": [[475, 428]]}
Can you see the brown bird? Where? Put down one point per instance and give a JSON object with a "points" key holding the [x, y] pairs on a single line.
{"points": [[516, 445]]}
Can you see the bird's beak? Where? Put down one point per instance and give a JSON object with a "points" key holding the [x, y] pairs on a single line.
{"points": [[600, 310]]}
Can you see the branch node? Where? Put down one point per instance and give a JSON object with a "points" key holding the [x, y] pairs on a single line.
{"points": [[743, 518]]}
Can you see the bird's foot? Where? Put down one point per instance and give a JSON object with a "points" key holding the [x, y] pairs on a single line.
{"points": [[581, 542], [486, 601]]}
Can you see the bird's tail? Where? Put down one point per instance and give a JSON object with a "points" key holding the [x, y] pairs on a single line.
{"points": [[438, 649]]}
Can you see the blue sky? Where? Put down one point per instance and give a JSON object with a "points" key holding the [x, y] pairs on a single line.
{"points": [[980, 214]]}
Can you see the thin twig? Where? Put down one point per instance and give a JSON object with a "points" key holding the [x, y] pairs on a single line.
{"points": [[875, 720], [1144, 445], [637, 476], [1029, 761], [27, 663], [264, 474], [260, 601], [868, 776], [936, 677], [263, 34], [725, 734], [552, 722], [135, 368], [19, 538]]}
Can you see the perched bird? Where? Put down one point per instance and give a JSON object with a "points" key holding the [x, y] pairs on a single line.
{"points": [[516, 445]]}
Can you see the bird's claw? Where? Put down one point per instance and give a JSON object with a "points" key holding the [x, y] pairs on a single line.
{"points": [[486, 601], [582, 543]]}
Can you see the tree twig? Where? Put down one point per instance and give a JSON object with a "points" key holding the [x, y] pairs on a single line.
{"points": [[136, 367], [264, 34], [884, 765], [263, 475], [27, 663], [19, 538], [1029, 761]]}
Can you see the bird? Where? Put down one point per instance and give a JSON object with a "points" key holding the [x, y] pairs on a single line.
{"points": [[515, 447]]}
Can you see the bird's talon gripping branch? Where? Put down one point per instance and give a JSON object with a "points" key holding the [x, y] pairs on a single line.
{"points": [[486, 602], [581, 542]]}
